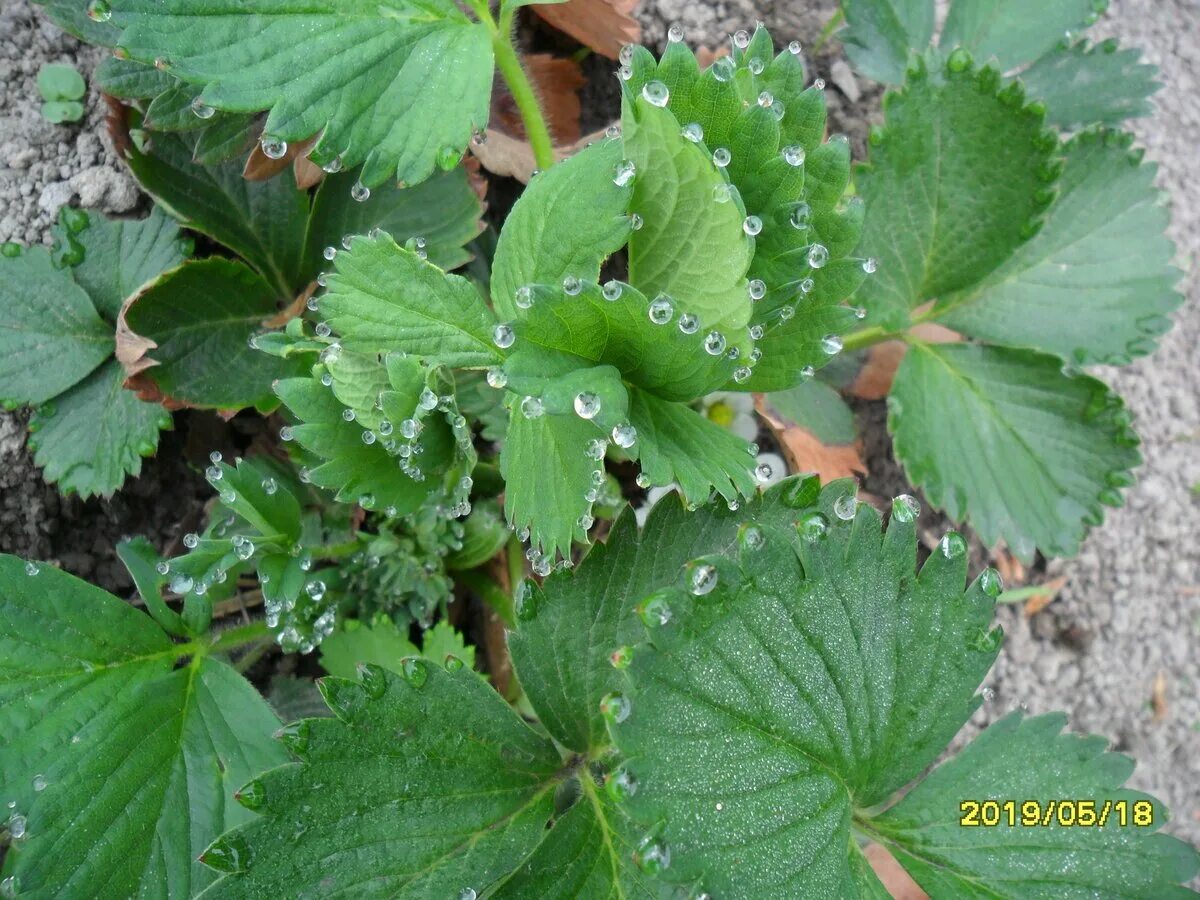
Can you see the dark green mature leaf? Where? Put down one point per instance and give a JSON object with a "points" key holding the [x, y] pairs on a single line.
{"points": [[443, 211], [566, 223], [261, 221], [548, 476], [112, 258], [430, 786], [51, 336], [1029, 758], [386, 298], [418, 87], [675, 445], [72, 17], [1082, 85], [587, 613], [120, 767], [788, 695], [692, 246], [1096, 285], [880, 35], [200, 318], [957, 180], [129, 80], [1056, 447], [1015, 32], [95, 433]]}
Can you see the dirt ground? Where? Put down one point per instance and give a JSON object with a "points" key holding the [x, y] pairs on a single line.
{"points": [[1116, 650]]}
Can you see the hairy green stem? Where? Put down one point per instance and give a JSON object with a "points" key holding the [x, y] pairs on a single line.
{"points": [[519, 85], [236, 637]]}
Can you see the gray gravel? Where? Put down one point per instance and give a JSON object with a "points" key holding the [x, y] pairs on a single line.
{"points": [[1131, 608]]}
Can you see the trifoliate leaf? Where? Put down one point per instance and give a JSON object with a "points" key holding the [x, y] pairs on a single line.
{"points": [[587, 613], [655, 344], [200, 319], [677, 445], [1030, 454], [549, 468], [790, 694], [96, 432], [1083, 85], [957, 180], [1024, 759], [431, 786], [1096, 284], [111, 258], [1015, 32], [566, 223], [118, 767], [263, 222], [587, 853], [691, 246], [379, 642], [443, 212], [419, 85], [385, 298], [52, 337], [880, 35]]}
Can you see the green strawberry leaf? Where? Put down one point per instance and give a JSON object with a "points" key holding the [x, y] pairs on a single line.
{"points": [[95, 433], [587, 613], [1083, 85], [141, 560], [443, 211], [379, 643], [199, 319], [677, 445], [112, 258], [550, 499], [119, 768], [260, 221], [1031, 454], [52, 336], [418, 88], [691, 246], [958, 179], [431, 786], [880, 35], [129, 80], [72, 16], [1023, 758], [784, 697], [384, 298], [1015, 32], [441, 642], [566, 223], [1096, 284], [251, 492]]}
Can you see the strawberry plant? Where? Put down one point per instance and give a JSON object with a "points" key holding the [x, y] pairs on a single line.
{"points": [[734, 698]]}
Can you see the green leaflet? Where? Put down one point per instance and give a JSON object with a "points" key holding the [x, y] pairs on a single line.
{"points": [[1081, 85], [957, 180], [786, 695], [385, 298], [1015, 32], [881, 34], [691, 247], [201, 318], [417, 88], [119, 767], [1057, 447], [52, 336], [383, 644], [1096, 284], [566, 223], [431, 785], [95, 433]]}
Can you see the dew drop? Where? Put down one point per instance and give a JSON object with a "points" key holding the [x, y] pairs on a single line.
{"points": [[532, 407], [794, 155], [845, 507], [689, 323], [763, 472], [348, 415], [870, 265], [714, 343], [752, 225], [766, 99], [652, 856], [991, 582], [269, 486], [615, 707], [831, 344], [905, 508], [741, 39], [625, 172], [656, 93], [952, 545], [611, 290], [722, 69], [742, 374], [273, 148], [693, 132], [503, 336], [467, 893], [722, 193], [661, 310], [721, 157], [39, 783], [11, 885], [360, 193], [191, 540], [813, 527], [329, 253], [794, 48], [523, 297], [16, 826], [621, 784], [587, 405], [571, 285], [624, 435], [818, 255], [202, 110], [756, 288], [99, 11], [31, 568], [333, 166], [496, 377], [704, 579], [675, 33], [756, 66]]}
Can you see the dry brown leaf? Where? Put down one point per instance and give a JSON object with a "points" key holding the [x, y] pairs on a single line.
{"points": [[260, 167], [1011, 569], [1158, 697], [706, 57], [308, 173], [557, 82], [806, 453], [604, 25], [874, 379], [509, 157], [897, 881], [1046, 594]]}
